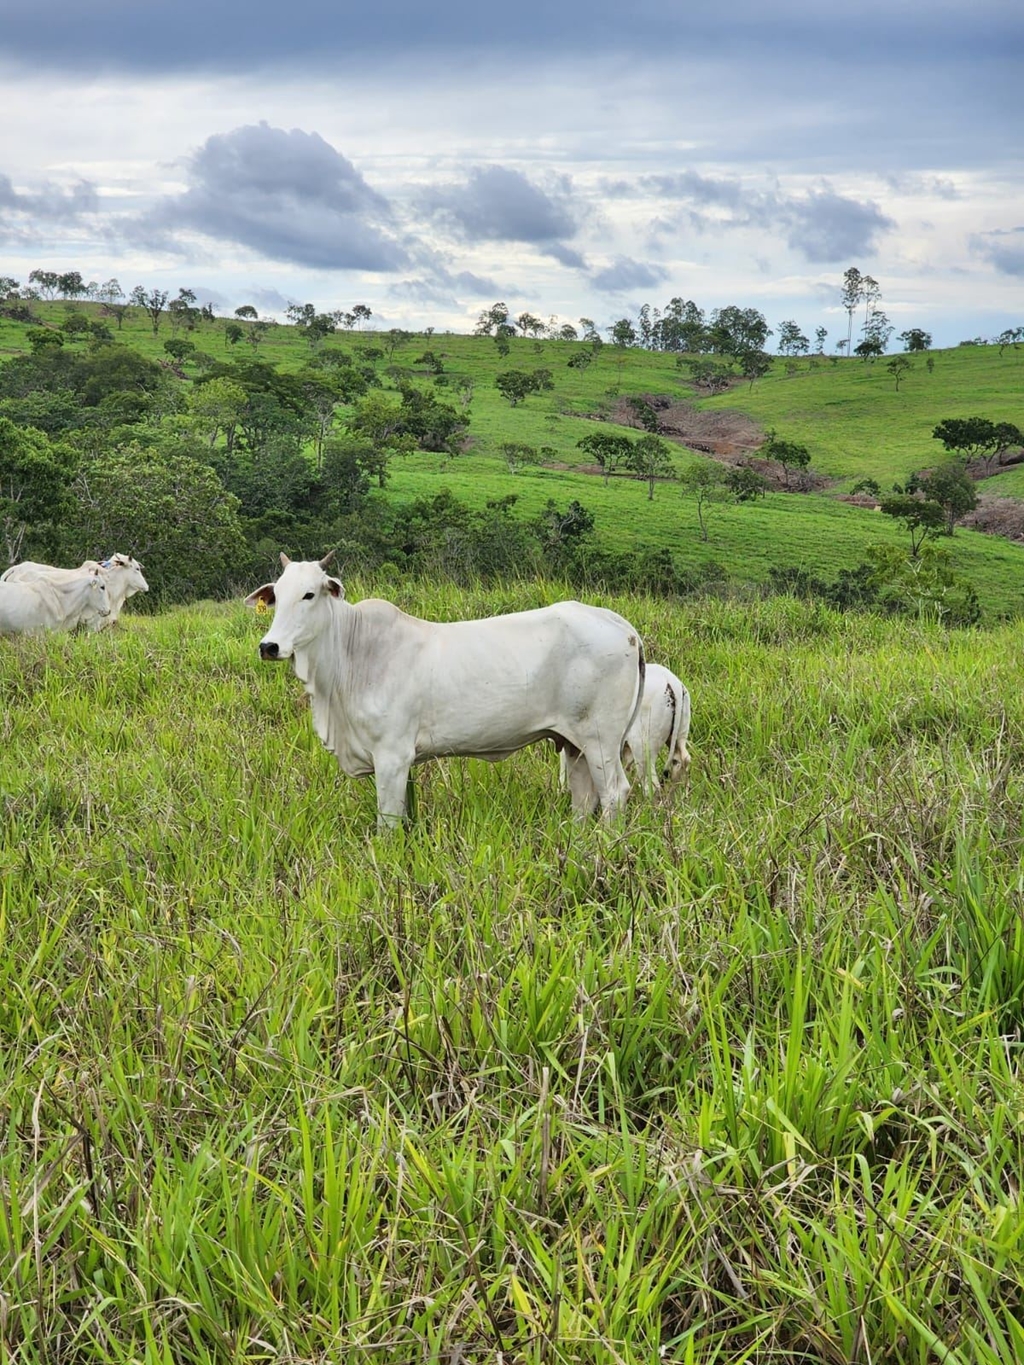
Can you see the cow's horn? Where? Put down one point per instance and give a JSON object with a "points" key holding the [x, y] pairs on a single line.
{"points": [[327, 559], [285, 561]]}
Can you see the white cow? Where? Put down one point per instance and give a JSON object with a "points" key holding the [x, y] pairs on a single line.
{"points": [[40, 605], [121, 573], [662, 719], [390, 690]]}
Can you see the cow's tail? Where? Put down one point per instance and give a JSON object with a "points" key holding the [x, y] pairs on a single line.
{"points": [[680, 723], [638, 702]]}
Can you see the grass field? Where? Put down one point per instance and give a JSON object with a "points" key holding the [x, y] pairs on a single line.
{"points": [[738, 1080]]}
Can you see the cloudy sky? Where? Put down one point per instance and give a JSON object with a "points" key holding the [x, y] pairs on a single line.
{"points": [[569, 157]]}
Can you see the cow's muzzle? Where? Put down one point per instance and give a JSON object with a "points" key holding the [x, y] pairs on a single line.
{"points": [[269, 649]]}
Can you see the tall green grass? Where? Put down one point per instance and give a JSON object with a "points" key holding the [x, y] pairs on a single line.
{"points": [[738, 1080]]}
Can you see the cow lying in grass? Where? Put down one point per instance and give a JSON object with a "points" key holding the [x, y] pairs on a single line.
{"points": [[390, 690]]}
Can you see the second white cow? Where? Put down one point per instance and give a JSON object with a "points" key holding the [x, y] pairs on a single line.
{"points": [[662, 721], [390, 690], [122, 574], [31, 607]]}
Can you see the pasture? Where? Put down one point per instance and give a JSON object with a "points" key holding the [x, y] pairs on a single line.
{"points": [[737, 1080]]}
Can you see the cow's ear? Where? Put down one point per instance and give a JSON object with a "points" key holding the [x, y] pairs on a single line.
{"points": [[264, 595], [335, 587]]}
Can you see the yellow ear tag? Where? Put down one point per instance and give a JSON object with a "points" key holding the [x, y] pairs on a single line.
{"points": [[261, 607]]}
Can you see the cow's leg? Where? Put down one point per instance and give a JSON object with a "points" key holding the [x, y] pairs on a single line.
{"points": [[608, 780], [581, 785], [646, 768], [392, 779]]}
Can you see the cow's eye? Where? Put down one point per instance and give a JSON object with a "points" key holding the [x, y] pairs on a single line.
{"points": [[308, 596]]}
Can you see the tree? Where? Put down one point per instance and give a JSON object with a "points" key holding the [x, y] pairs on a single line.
{"points": [[623, 333], [791, 340], [34, 487], [789, 454], [529, 325], [247, 313], [650, 459], [851, 295], [705, 481], [217, 405], [868, 349], [361, 313], [745, 484], [876, 330], [518, 455], [70, 285], [179, 349], [516, 385], [112, 301], [492, 318], [233, 333], [976, 437], [899, 367], [642, 413], [734, 331], [169, 511], [914, 339], [46, 281], [9, 287], [1010, 337], [153, 302], [606, 449], [951, 487], [708, 376], [820, 333], [921, 517], [924, 583], [755, 365], [581, 359], [563, 535], [681, 327], [392, 339], [44, 339]]}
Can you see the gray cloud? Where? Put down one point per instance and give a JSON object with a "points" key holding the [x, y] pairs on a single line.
{"points": [[825, 227], [1003, 249], [22, 211], [110, 34], [496, 204], [624, 274], [822, 226], [289, 196]]}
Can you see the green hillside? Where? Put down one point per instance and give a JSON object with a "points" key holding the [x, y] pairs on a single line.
{"points": [[847, 412]]}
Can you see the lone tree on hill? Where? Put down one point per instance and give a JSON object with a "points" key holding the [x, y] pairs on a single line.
{"points": [[650, 459], [852, 293], [899, 367], [705, 481], [951, 487], [606, 449], [977, 437], [914, 339], [920, 516], [788, 454]]}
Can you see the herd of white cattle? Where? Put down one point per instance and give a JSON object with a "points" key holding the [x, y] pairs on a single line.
{"points": [[389, 690], [41, 597]]}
